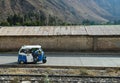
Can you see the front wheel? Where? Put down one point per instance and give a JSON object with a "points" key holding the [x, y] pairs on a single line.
{"points": [[44, 61]]}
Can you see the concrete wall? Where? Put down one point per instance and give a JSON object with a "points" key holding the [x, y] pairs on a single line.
{"points": [[61, 43], [108, 43]]}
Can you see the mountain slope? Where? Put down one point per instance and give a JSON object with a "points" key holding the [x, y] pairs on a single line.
{"points": [[72, 11], [111, 6]]}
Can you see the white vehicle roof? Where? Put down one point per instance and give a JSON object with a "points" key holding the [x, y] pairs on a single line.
{"points": [[30, 46]]}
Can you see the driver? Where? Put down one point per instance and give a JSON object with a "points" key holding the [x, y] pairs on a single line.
{"points": [[36, 54]]}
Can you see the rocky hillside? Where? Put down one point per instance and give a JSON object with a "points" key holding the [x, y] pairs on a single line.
{"points": [[111, 6], [72, 11]]}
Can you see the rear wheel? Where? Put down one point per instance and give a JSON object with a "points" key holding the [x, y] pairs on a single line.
{"points": [[44, 61]]}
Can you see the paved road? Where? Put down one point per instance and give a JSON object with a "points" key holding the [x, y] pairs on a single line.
{"points": [[71, 59]]}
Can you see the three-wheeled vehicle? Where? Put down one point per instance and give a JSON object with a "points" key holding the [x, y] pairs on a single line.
{"points": [[31, 54]]}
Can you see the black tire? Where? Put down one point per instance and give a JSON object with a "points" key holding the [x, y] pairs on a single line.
{"points": [[44, 61]]}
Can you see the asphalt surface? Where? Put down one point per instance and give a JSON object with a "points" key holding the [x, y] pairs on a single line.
{"points": [[70, 59]]}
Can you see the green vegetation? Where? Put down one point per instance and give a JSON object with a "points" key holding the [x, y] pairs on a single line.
{"points": [[41, 19], [31, 19], [88, 22]]}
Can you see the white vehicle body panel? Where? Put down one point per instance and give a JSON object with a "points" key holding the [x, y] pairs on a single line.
{"points": [[29, 58]]}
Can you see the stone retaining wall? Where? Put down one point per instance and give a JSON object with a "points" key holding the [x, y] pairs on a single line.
{"points": [[61, 43]]}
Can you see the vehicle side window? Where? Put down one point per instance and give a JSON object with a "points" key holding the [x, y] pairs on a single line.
{"points": [[23, 51]]}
